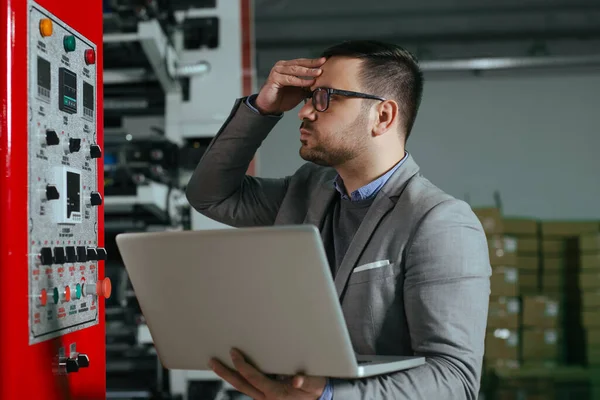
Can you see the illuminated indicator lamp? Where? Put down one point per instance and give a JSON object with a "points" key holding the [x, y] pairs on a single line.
{"points": [[69, 43], [45, 27], [43, 299], [90, 56], [67, 294], [78, 291]]}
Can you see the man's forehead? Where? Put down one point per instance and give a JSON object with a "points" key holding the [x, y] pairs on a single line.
{"points": [[339, 73]]}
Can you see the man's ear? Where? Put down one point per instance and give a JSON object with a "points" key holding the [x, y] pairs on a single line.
{"points": [[387, 117]]}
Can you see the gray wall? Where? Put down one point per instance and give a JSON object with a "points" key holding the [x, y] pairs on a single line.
{"points": [[534, 136]]}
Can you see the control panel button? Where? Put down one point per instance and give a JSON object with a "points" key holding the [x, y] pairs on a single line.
{"points": [[83, 360], [74, 145], [46, 256], [52, 193], [52, 138], [81, 254], [71, 365], [46, 27], [92, 255], [55, 295], [59, 255], [78, 289], [65, 295], [69, 43], [90, 56], [42, 298], [95, 151], [102, 288], [95, 199], [71, 254], [101, 253]]}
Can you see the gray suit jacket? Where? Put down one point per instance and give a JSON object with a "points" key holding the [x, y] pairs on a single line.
{"points": [[432, 298]]}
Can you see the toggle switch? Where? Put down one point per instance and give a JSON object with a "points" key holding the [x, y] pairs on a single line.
{"points": [[81, 254], [46, 257], [59, 255], [92, 254], [71, 254], [102, 255]]}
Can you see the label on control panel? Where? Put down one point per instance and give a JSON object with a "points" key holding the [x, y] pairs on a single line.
{"points": [[62, 227]]}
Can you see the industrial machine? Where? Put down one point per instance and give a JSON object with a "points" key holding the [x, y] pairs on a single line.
{"points": [[52, 335]]}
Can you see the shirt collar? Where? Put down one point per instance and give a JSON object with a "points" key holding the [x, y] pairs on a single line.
{"points": [[370, 189]]}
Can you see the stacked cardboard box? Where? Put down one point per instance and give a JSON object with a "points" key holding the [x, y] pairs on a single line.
{"points": [[540, 383], [525, 234], [503, 341], [589, 284], [561, 280]]}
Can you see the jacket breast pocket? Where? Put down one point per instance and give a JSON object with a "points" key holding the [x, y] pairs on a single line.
{"points": [[369, 292], [373, 271]]}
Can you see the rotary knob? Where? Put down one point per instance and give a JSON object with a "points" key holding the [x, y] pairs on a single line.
{"points": [[95, 151], [95, 199], [51, 138], [51, 193], [83, 360], [74, 145]]}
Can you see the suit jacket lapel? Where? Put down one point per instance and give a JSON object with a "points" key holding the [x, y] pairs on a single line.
{"points": [[320, 202], [384, 202]]}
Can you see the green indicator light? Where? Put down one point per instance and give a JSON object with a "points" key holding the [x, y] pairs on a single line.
{"points": [[69, 43], [78, 291], [55, 295]]}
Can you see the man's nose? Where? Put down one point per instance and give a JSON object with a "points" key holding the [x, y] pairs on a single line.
{"points": [[307, 112]]}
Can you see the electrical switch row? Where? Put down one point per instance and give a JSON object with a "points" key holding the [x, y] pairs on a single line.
{"points": [[71, 254]]}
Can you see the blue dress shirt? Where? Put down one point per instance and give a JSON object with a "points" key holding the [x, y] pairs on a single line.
{"points": [[363, 193]]}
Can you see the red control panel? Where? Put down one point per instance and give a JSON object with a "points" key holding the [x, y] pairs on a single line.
{"points": [[52, 283]]}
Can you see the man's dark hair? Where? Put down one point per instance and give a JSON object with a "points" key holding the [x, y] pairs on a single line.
{"points": [[389, 71]]}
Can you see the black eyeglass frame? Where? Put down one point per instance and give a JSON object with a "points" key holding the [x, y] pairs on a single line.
{"points": [[346, 93]]}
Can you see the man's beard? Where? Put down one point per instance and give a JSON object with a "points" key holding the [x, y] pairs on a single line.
{"points": [[339, 148]]}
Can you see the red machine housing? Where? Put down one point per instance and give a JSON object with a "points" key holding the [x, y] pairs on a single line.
{"points": [[26, 371]]}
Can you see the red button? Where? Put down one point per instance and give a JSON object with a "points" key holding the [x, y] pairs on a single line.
{"points": [[104, 288], [43, 297], [90, 56]]}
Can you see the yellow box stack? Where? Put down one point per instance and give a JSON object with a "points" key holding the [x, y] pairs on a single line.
{"points": [[589, 284], [561, 261], [503, 341]]}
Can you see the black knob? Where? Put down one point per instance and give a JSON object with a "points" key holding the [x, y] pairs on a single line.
{"points": [[46, 256], [59, 255], [92, 255], [95, 198], [74, 145], [95, 151], [52, 137], [72, 365], [81, 254], [83, 360], [71, 254], [52, 192], [102, 255]]}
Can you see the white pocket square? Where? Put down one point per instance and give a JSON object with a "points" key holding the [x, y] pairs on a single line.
{"points": [[373, 265]]}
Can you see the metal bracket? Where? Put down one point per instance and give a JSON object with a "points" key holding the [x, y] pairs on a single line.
{"points": [[161, 54]]}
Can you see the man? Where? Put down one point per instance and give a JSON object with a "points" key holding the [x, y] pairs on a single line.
{"points": [[365, 194]]}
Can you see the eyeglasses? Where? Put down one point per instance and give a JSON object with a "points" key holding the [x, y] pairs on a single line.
{"points": [[320, 97]]}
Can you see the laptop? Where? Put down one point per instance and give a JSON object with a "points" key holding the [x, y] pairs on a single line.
{"points": [[267, 291]]}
